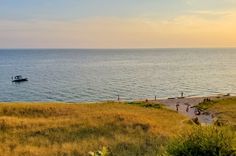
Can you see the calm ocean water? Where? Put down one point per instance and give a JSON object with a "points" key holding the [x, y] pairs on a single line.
{"points": [[91, 75]]}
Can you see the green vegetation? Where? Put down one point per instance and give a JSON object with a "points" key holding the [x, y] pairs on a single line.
{"points": [[72, 130], [206, 104], [146, 104], [207, 141], [103, 152]]}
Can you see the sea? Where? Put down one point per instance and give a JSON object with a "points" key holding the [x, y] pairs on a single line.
{"points": [[89, 75]]}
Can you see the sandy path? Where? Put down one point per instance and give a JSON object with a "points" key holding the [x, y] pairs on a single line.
{"points": [[191, 101]]}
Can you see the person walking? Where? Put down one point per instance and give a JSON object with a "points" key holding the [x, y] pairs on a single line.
{"points": [[187, 109], [118, 98], [177, 107]]}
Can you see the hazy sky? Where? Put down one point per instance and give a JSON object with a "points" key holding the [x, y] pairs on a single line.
{"points": [[117, 23]]}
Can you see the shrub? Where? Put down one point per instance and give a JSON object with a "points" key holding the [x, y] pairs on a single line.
{"points": [[146, 105], [103, 152], [207, 103], [3, 125], [203, 141]]}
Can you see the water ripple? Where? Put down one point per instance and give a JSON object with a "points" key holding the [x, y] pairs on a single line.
{"points": [[90, 75]]}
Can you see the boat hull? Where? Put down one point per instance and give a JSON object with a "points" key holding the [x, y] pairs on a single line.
{"points": [[20, 80]]}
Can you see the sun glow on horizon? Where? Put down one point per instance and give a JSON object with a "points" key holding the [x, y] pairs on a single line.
{"points": [[190, 28]]}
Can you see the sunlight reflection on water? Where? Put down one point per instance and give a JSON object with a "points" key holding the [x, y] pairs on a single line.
{"points": [[90, 75]]}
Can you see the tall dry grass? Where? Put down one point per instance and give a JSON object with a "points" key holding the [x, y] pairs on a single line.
{"points": [[33, 129]]}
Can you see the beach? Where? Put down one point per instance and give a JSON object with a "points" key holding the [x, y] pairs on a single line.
{"points": [[187, 106]]}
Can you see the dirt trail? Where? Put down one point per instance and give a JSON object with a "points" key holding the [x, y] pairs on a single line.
{"points": [[183, 104]]}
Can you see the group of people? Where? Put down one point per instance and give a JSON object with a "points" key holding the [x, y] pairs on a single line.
{"points": [[207, 100], [196, 111]]}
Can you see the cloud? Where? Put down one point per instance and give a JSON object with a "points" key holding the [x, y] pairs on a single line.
{"points": [[191, 2], [209, 13]]}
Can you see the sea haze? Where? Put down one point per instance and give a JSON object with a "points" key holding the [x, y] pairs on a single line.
{"points": [[91, 75]]}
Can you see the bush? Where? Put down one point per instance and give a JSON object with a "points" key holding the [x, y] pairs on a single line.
{"points": [[203, 141], [146, 105], [103, 152]]}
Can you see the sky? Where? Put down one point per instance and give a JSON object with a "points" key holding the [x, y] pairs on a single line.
{"points": [[117, 23]]}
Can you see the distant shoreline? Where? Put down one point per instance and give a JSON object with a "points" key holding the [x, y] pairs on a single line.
{"points": [[124, 100], [183, 103]]}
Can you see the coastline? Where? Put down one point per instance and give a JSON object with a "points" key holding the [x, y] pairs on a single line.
{"points": [[52, 128], [169, 103]]}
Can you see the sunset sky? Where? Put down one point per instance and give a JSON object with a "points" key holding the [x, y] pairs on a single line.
{"points": [[117, 23]]}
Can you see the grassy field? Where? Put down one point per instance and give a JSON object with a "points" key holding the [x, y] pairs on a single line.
{"points": [[75, 129], [223, 109], [125, 129]]}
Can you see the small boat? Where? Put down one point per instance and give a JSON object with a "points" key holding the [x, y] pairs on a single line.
{"points": [[19, 78]]}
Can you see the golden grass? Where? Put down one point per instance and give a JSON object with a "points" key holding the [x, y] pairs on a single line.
{"points": [[224, 109], [75, 129]]}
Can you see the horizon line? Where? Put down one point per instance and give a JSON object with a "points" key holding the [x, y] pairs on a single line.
{"points": [[117, 48]]}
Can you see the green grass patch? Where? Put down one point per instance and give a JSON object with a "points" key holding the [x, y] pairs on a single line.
{"points": [[206, 104], [146, 104], [205, 141], [223, 109]]}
